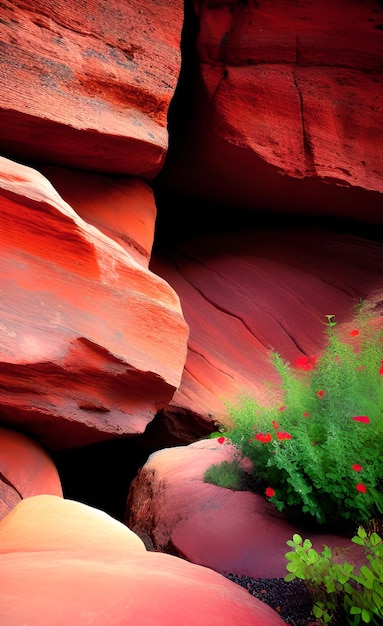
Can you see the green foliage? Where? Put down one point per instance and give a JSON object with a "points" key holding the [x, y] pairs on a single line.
{"points": [[320, 447], [337, 589], [227, 474]]}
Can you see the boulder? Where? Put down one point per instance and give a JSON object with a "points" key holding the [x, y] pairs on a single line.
{"points": [[89, 85], [63, 562], [246, 294], [94, 344], [26, 470], [284, 108], [237, 532]]}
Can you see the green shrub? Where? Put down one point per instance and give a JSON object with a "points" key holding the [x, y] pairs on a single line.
{"points": [[339, 592], [319, 451], [227, 474]]}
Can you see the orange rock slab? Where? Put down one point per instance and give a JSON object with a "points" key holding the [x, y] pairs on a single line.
{"points": [[93, 342], [63, 562], [89, 85], [25, 470]]}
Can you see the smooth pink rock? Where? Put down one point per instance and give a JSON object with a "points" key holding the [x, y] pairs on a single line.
{"points": [[247, 294], [25, 470], [229, 531], [94, 343], [62, 562], [88, 85]]}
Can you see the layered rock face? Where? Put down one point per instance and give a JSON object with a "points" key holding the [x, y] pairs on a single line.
{"points": [[287, 97], [94, 344], [245, 295], [89, 84]]}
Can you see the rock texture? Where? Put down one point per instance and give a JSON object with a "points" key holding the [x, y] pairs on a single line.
{"points": [[65, 563], [94, 344], [25, 470], [236, 532], [246, 294], [286, 99], [89, 85]]}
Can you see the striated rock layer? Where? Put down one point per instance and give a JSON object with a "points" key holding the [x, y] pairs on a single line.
{"points": [[286, 109], [62, 562], [88, 85], [93, 342], [247, 294]]}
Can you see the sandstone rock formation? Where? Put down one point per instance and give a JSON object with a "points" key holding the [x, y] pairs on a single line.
{"points": [[236, 532], [89, 86], [286, 98], [25, 470], [246, 294], [65, 563], [94, 344]]}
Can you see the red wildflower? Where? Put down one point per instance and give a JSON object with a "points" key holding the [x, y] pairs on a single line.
{"points": [[361, 487], [356, 467], [221, 439], [282, 408], [306, 414], [283, 436], [361, 418], [264, 438], [354, 333], [275, 424], [249, 440], [381, 369], [270, 493], [320, 393], [306, 363]]}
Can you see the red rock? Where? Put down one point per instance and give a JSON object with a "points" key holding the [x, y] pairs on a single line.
{"points": [[63, 562], [25, 470], [89, 85], [93, 342], [287, 99], [122, 208], [246, 294], [236, 532]]}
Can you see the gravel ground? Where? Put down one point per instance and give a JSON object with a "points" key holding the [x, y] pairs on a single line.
{"points": [[291, 600]]}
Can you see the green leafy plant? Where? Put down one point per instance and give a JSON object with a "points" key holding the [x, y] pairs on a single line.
{"points": [[318, 449], [340, 592], [227, 474]]}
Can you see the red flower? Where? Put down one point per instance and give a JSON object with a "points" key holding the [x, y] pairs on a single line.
{"points": [[381, 369], [283, 436], [356, 467], [306, 363], [264, 438], [221, 439], [361, 418], [282, 408], [249, 440], [320, 393], [354, 333], [306, 414], [361, 487], [270, 493], [275, 424]]}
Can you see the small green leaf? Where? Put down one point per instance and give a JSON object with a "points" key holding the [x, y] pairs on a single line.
{"points": [[307, 544], [289, 577], [366, 616], [297, 539], [355, 610], [318, 612]]}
